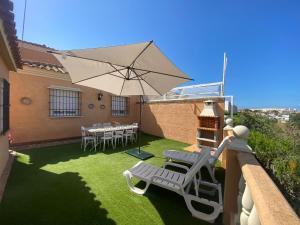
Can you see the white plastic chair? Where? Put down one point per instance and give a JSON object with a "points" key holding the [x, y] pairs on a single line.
{"points": [[128, 134], [119, 135], [87, 139], [135, 130], [108, 136]]}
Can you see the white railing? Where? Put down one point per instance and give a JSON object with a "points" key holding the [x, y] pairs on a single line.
{"points": [[192, 92], [250, 195]]}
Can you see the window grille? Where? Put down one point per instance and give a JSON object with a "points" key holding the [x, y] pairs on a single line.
{"points": [[4, 106], [64, 103], [119, 106]]}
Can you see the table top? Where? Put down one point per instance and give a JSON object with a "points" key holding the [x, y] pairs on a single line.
{"points": [[104, 129]]}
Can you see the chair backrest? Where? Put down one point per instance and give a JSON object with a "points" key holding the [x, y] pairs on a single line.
{"points": [[135, 124], [219, 150], [83, 133], [108, 134], [119, 132], [129, 131], [205, 155]]}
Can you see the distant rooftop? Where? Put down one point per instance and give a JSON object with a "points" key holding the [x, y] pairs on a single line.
{"points": [[36, 55], [7, 16]]}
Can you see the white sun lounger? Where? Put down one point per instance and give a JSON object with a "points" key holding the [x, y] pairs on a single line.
{"points": [[179, 183], [191, 158]]}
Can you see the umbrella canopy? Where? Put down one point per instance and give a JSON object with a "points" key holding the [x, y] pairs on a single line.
{"points": [[136, 69]]}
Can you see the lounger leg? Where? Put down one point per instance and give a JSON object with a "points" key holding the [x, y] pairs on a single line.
{"points": [[218, 208], [211, 173], [134, 189]]}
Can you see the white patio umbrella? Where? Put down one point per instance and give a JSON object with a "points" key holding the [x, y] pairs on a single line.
{"points": [[126, 70]]}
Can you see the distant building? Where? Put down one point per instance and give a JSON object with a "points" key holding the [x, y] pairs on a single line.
{"points": [[279, 110], [280, 114]]}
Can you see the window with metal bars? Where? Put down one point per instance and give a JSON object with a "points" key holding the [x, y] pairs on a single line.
{"points": [[119, 106], [64, 103], [4, 106]]}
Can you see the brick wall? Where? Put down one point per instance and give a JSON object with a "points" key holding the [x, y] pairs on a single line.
{"points": [[176, 120], [31, 123]]}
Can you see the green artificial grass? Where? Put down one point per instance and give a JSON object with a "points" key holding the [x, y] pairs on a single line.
{"points": [[63, 185]]}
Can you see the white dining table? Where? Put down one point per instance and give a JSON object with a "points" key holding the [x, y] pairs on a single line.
{"points": [[113, 128]]}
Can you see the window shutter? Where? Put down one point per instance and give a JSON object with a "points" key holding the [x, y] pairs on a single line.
{"points": [[5, 106]]}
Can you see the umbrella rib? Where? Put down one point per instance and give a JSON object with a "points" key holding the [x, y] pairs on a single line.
{"points": [[166, 74], [152, 87], [141, 53], [147, 83], [117, 70], [95, 60], [139, 75], [139, 81], [122, 87], [99, 75]]}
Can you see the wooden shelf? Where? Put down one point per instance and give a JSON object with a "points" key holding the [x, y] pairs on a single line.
{"points": [[206, 139], [207, 128]]}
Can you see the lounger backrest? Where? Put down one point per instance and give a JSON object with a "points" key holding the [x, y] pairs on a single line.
{"points": [[196, 167], [220, 149]]}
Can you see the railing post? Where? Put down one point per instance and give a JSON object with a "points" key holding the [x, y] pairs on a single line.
{"points": [[242, 186], [227, 131], [247, 205], [233, 173]]}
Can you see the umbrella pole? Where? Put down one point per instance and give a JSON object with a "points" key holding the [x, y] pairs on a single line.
{"points": [[140, 125], [137, 152]]}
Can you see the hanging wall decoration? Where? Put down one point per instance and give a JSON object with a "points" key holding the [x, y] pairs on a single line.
{"points": [[26, 101]]}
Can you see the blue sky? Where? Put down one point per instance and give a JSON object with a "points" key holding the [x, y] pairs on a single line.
{"points": [[261, 38]]}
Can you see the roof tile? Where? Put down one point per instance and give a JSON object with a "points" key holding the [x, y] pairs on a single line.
{"points": [[36, 55]]}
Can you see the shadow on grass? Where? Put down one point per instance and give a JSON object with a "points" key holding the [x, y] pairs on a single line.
{"points": [[56, 199], [62, 153]]}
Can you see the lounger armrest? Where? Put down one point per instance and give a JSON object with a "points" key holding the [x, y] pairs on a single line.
{"points": [[164, 179], [176, 165]]}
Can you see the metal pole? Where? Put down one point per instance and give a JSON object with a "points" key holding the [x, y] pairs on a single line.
{"points": [[140, 125], [24, 15], [224, 73], [232, 107]]}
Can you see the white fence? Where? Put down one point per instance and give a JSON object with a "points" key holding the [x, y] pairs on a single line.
{"points": [[199, 91], [190, 92]]}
